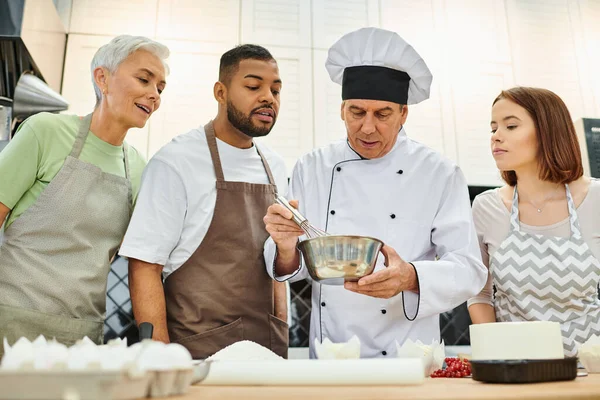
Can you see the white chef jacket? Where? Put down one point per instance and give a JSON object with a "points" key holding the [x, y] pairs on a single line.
{"points": [[414, 200]]}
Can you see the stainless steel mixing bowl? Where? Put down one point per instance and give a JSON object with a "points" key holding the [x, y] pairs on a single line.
{"points": [[331, 260]]}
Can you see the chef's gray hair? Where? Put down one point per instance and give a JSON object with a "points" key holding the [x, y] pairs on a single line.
{"points": [[112, 54]]}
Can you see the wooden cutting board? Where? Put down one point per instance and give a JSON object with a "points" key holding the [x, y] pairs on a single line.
{"points": [[439, 388]]}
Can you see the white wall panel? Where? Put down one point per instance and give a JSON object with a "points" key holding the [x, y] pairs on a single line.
{"points": [[474, 48], [276, 22], [543, 50], [417, 23], [472, 103], [414, 22], [590, 79], [334, 18], [114, 17], [477, 67], [188, 100], [425, 120], [292, 135], [63, 7], [328, 126], [477, 29], [78, 88], [45, 37], [209, 21]]}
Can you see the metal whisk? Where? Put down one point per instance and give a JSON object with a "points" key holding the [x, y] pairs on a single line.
{"points": [[311, 231]]}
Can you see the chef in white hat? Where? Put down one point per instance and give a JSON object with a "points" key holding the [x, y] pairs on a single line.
{"points": [[378, 182]]}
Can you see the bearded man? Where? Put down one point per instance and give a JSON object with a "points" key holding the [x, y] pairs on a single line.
{"points": [[198, 225]]}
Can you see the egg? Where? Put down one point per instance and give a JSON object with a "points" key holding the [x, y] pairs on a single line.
{"points": [[154, 356], [86, 341], [84, 356], [50, 355], [19, 356], [40, 341], [6, 345], [134, 350], [122, 343], [113, 358], [180, 356]]}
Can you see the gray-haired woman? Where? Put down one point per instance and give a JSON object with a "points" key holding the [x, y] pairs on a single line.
{"points": [[68, 184]]}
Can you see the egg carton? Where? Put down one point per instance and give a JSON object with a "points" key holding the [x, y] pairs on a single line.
{"points": [[66, 385], [92, 384], [45, 369], [170, 382]]}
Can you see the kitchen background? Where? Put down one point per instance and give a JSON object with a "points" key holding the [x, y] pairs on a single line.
{"points": [[475, 48]]}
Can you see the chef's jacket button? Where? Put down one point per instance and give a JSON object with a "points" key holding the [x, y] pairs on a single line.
{"points": [[392, 216], [332, 212], [323, 304], [383, 311], [384, 353], [400, 171], [338, 169]]}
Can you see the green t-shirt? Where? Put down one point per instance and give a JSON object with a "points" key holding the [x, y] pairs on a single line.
{"points": [[37, 152]]}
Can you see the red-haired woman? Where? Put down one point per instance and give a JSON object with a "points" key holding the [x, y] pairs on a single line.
{"points": [[540, 233]]}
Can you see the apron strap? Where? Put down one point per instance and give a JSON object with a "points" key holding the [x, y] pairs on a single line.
{"points": [[514, 212], [126, 159], [82, 134], [209, 130], [267, 168], [127, 172], [574, 221], [575, 229]]}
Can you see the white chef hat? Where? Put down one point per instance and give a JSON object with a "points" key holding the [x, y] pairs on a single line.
{"points": [[376, 64]]}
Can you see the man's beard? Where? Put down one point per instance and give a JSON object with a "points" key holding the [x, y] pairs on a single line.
{"points": [[244, 123]]}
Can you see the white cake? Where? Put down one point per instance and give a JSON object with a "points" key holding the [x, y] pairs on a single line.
{"points": [[516, 341]]}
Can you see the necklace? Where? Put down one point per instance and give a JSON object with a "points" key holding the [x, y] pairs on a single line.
{"points": [[544, 201]]}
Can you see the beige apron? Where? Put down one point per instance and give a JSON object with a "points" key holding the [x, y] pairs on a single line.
{"points": [[55, 258], [222, 293]]}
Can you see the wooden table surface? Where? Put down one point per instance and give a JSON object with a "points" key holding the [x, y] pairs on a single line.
{"points": [[439, 388]]}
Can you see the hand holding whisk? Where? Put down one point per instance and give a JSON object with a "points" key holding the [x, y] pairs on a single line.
{"points": [[311, 231]]}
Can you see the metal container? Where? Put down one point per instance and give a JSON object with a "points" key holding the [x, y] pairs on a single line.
{"points": [[5, 121], [33, 95], [334, 259], [5, 118]]}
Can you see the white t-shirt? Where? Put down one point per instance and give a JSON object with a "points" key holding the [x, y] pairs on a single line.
{"points": [[177, 197]]}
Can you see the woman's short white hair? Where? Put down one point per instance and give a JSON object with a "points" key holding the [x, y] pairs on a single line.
{"points": [[112, 54]]}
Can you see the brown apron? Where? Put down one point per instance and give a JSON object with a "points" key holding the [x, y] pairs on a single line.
{"points": [[222, 293]]}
